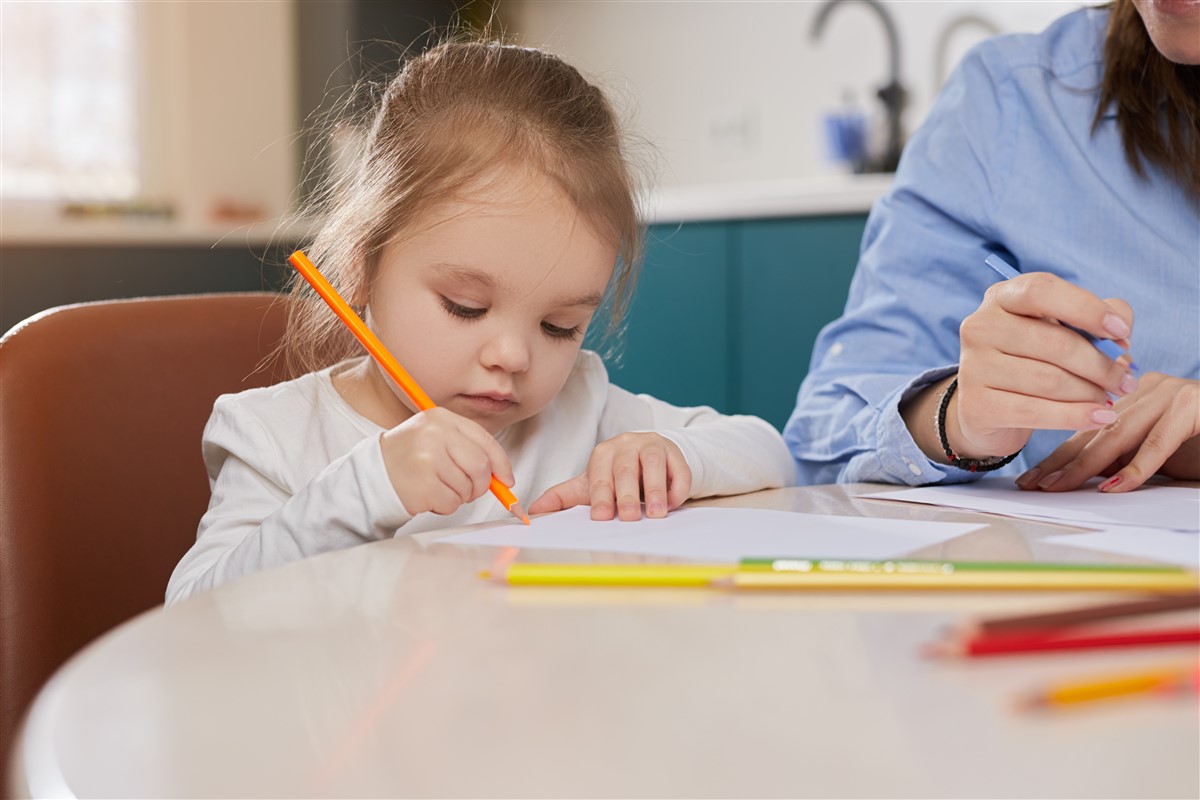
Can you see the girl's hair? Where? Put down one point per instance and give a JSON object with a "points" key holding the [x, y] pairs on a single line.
{"points": [[1143, 84], [452, 115]]}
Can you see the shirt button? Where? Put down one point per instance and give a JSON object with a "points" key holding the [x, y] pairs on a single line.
{"points": [[913, 468]]}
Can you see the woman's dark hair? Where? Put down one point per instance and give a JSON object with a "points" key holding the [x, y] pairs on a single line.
{"points": [[1143, 84]]}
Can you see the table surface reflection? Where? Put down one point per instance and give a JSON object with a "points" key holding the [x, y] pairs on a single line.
{"points": [[392, 669]]}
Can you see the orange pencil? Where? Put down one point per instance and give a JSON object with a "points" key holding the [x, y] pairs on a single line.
{"points": [[387, 361]]}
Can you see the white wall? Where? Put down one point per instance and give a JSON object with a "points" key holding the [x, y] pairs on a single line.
{"points": [[734, 90]]}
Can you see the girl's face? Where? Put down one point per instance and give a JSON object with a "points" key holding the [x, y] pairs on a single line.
{"points": [[1174, 27], [487, 299]]}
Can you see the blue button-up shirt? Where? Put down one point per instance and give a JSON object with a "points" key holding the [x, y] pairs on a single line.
{"points": [[1007, 161]]}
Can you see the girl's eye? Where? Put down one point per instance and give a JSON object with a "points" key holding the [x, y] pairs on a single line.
{"points": [[463, 312], [555, 332]]}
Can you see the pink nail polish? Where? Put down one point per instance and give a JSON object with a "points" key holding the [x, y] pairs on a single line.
{"points": [[1104, 416], [1118, 327], [1110, 483]]}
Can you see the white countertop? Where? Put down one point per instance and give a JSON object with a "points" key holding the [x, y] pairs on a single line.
{"points": [[797, 197]]}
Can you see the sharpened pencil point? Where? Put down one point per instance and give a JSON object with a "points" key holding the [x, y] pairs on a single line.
{"points": [[517, 511]]}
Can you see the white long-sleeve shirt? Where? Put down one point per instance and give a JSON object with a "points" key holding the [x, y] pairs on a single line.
{"points": [[295, 471]]}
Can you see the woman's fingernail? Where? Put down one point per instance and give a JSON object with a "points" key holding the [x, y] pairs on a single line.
{"points": [[1118, 327], [1129, 384], [654, 510], [1029, 478], [1050, 480], [1110, 483], [1104, 416], [1109, 401]]}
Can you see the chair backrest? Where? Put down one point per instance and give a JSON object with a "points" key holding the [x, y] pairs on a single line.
{"points": [[101, 479]]}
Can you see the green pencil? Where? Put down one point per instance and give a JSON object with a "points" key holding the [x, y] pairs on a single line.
{"points": [[910, 566]]}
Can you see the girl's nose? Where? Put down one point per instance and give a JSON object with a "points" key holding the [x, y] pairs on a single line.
{"points": [[508, 352]]}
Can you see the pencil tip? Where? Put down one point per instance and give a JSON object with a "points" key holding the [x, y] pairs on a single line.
{"points": [[517, 511]]}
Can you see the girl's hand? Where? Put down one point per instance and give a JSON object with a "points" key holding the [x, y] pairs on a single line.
{"points": [[1157, 431], [619, 474], [1020, 370], [437, 461]]}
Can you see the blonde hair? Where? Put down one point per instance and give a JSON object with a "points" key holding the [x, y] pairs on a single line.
{"points": [[450, 117]]}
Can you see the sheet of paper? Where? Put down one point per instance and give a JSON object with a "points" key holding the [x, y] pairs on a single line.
{"points": [[1164, 507], [723, 535], [1171, 547]]}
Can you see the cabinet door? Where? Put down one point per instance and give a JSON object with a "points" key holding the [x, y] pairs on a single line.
{"points": [[793, 278], [676, 343]]}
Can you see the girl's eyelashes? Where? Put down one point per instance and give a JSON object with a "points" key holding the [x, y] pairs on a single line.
{"points": [[556, 332], [463, 312], [470, 313]]}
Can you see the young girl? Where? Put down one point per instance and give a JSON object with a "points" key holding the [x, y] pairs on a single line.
{"points": [[489, 215]]}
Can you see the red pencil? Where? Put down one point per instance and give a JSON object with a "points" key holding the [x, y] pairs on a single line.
{"points": [[1006, 644]]}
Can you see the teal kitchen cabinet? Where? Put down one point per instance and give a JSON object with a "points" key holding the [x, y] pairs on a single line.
{"points": [[676, 345], [726, 313], [793, 277]]}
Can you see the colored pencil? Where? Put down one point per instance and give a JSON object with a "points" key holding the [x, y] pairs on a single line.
{"points": [[1160, 681], [1011, 643], [1077, 616], [977, 581], [386, 360], [830, 575], [696, 575], [794, 564]]}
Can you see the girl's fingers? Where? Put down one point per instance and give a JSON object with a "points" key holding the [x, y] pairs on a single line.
{"points": [[601, 492], [568, 494], [474, 463], [626, 475], [680, 476], [1104, 447], [498, 463], [653, 459]]}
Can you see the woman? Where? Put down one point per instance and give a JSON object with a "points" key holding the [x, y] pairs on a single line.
{"points": [[1073, 154]]}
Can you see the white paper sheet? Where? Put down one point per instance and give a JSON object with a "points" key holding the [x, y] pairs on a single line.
{"points": [[1172, 547], [1163, 507], [723, 535]]}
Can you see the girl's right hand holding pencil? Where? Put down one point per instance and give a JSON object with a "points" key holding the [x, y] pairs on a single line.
{"points": [[438, 461]]}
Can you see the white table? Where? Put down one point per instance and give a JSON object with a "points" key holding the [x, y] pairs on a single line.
{"points": [[393, 669]]}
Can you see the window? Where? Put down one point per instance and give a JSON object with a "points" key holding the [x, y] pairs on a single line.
{"points": [[68, 101]]}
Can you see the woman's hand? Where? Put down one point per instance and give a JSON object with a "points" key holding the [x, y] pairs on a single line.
{"points": [[1157, 431], [620, 473], [1021, 370], [437, 461]]}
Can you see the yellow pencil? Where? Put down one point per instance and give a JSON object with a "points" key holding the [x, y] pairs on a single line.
{"points": [[1070, 693], [979, 581], [700, 575]]}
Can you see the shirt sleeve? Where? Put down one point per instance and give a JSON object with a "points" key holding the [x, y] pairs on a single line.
{"points": [[920, 273], [256, 520], [726, 454]]}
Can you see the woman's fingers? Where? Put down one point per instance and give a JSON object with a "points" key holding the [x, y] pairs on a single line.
{"points": [[1047, 296]]}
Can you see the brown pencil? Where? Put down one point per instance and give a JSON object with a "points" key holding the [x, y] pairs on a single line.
{"points": [[1077, 616]]}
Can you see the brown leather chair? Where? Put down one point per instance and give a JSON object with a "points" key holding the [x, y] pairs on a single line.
{"points": [[101, 479]]}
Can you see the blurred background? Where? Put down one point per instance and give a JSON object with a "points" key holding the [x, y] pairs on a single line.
{"points": [[157, 147]]}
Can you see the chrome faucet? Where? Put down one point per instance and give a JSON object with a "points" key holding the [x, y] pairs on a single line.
{"points": [[892, 94]]}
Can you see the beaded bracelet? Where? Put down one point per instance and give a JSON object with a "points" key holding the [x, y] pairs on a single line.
{"points": [[970, 464]]}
